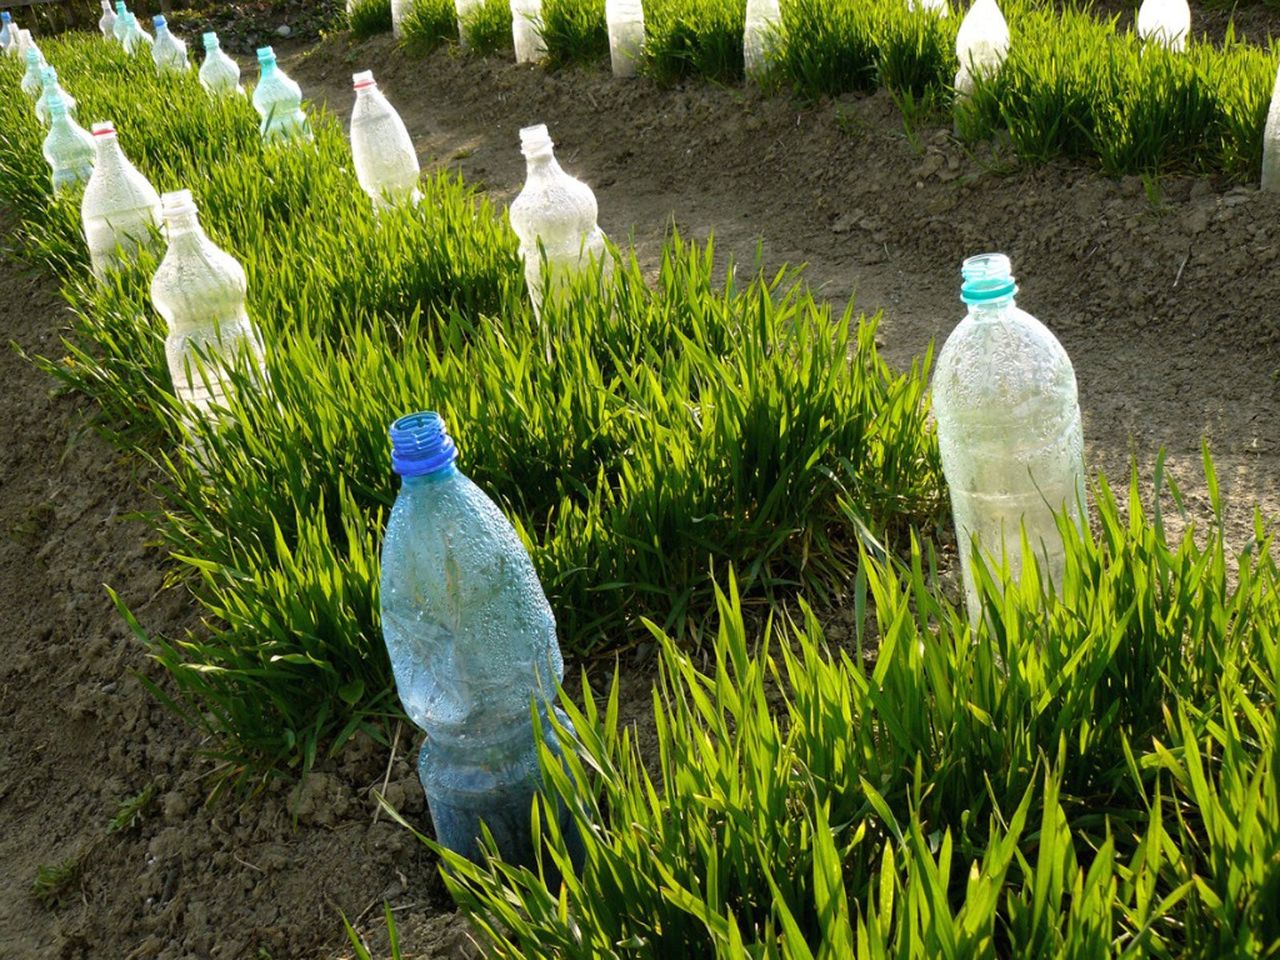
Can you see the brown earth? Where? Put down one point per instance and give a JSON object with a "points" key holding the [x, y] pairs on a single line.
{"points": [[1163, 293]]}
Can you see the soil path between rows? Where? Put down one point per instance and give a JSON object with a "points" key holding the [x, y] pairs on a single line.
{"points": [[1164, 295]]}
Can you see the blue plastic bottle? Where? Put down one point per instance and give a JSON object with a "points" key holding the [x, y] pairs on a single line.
{"points": [[472, 642], [5, 33]]}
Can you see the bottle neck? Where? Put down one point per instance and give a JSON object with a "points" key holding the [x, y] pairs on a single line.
{"points": [[448, 472], [991, 309], [541, 162], [184, 228]]}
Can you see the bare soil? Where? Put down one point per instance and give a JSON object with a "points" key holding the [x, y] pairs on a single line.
{"points": [[1164, 294]]}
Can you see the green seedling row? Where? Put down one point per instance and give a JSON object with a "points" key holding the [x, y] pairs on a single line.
{"points": [[643, 437]]}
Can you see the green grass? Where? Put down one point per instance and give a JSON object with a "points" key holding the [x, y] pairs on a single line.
{"points": [[575, 31], [640, 442], [428, 24], [487, 27], [369, 17], [1097, 775], [694, 38]]}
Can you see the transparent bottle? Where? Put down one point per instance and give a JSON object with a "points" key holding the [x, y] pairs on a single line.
{"points": [[8, 30], [1004, 394], [219, 74], [107, 22], [136, 40], [472, 643], [625, 19], [121, 28], [33, 79], [760, 37], [526, 31], [200, 290], [120, 210], [1167, 22], [556, 211], [68, 148], [982, 43], [385, 159], [399, 9], [278, 101], [1271, 142], [168, 52], [49, 85], [464, 9]]}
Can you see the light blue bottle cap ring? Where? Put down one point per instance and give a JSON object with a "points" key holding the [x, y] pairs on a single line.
{"points": [[421, 445], [266, 55], [987, 277], [119, 6], [4, 15], [158, 20], [211, 39]]}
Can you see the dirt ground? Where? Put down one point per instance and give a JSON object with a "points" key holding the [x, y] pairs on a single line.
{"points": [[1164, 294]]}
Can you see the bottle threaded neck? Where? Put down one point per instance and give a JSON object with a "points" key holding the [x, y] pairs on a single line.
{"points": [[535, 141], [421, 445], [988, 278]]}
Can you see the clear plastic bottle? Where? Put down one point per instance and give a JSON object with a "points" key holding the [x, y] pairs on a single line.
{"points": [[1271, 142], [625, 19], [121, 28], [68, 148], [1167, 22], [278, 101], [760, 37], [385, 159], [168, 52], [472, 642], [526, 31], [8, 30], [49, 85], [399, 9], [136, 40], [556, 210], [1004, 394], [200, 291], [120, 210], [464, 9], [219, 74], [33, 79], [107, 22], [982, 43]]}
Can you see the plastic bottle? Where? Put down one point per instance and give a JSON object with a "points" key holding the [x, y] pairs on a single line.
{"points": [[385, 159], [120, 210], [107, 22], [982, 43], [556, 210], [200, 291], [121, 28], [626, 35], [399, 9], [1167, 22], [68, 148], [49, 85], [1004, 394], [464, 9], [526, 31], [472, 643], [278, 101], [7, 30], [760, 37], [1271, 142], [33, 79], [136, 40], [219, 74], [168, 52], [938, 7]]}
